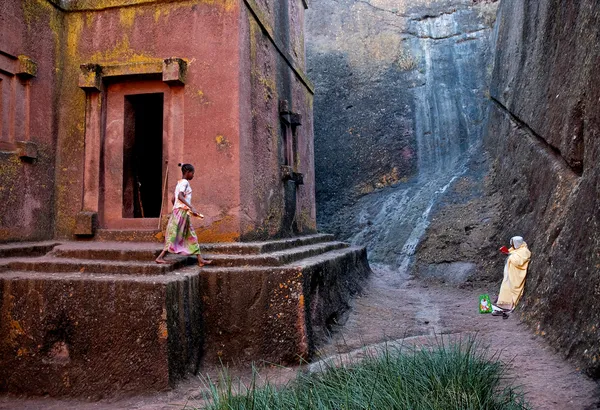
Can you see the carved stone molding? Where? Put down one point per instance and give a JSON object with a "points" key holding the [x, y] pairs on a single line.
{"points": [[173, 72]]}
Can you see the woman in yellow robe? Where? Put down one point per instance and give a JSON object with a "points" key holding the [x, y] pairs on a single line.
{"points": [[515, 271]]}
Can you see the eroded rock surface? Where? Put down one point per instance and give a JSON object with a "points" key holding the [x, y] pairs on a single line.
{"points": [[544, 182], [544, 137], [400, 101]]}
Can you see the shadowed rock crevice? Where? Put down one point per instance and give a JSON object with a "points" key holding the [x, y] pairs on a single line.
{"points": [[551, 150]]}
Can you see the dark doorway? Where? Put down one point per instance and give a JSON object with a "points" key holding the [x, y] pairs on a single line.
{"points": [[143, 155]]}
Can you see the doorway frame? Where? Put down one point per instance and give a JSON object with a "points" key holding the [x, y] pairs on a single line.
{"points": [[111, 213], [106, 88]]}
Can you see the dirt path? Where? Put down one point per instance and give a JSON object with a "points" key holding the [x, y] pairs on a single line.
{"points": [[396, 308], [393, 309]]}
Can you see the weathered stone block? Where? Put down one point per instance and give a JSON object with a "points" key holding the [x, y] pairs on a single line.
{"points": [[174, 71], [278, 315], [27, 67], [295, 119], [86, 223], [27, 150], [90, 77], [96, 336], [288, 174]]}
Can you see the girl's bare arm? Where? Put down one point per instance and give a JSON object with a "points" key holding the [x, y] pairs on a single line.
{"points": [[181, 197]]}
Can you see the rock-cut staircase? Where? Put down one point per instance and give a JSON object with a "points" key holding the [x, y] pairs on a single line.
{"points": [[137, 258], [92, 317]]}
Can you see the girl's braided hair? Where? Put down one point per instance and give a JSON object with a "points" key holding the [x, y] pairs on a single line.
{"points": [[186, 168]]}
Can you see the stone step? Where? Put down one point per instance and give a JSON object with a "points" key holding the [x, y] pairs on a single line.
{"points": [[255, 248], [278, 258], [114, 251], [147, 251], [359, 252], [155, 236], [21, 249], [67, 265], [129, 235], [333, 254]]}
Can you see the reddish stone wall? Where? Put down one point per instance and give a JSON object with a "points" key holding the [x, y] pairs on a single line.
{"points": [[199, 32], [297, 49], [225, 119], [26, 184], [268, 78]]}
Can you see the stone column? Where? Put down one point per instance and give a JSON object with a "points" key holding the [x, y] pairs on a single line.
{"points": [[90, 80]]}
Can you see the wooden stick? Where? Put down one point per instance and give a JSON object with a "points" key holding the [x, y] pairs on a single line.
{"points": [[162, 204], [139, 195]]}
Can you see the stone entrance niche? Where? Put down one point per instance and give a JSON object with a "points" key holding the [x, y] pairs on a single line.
{"points": [[134, 131], [15, 75], [143, 155]]}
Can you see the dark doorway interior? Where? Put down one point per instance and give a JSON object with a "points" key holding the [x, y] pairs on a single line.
{"points": [[143, 156]]}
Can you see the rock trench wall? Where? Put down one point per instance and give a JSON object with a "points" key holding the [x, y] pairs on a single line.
{"points": [[388, 102], [400, 99], [544, 141]]}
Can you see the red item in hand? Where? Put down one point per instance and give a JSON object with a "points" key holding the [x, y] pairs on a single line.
{"points": [[504, 250]]}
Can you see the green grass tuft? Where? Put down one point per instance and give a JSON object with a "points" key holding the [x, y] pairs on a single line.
{"points": [[459, 376]]}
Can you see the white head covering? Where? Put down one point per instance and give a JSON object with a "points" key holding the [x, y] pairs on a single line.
{"points": [[516, 241]]}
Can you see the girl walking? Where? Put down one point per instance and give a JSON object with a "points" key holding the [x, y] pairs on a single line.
{"points": [[180, 236]]}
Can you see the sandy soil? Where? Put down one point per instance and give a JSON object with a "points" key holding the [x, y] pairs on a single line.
{"points": [[396, 308]]}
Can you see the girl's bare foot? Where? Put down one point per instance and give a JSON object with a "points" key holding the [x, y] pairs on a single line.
{"points": [[202, 262], [161, 258]]}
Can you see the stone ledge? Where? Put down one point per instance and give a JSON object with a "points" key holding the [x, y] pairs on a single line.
{"points": [[25, 150], [86, 223], [173, 71], [19, 65], [279, 315], [96, 337], [27, 67]]}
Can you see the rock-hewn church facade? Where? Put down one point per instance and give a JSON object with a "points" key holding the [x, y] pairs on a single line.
{"points": [[101, 99]]}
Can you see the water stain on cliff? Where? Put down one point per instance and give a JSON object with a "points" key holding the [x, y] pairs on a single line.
{"points": [[400, 103]]}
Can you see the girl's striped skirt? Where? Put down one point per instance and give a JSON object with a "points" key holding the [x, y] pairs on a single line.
{"points": [[180, 236]]}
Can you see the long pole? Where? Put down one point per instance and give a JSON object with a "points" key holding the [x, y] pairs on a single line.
{"points": [[164, 193]]}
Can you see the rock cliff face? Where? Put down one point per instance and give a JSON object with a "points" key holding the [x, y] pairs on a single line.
{"points": [[544, 141], [399, 103]]}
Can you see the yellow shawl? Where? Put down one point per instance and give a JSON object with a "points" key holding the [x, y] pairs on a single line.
{"points": [[515, 270]]}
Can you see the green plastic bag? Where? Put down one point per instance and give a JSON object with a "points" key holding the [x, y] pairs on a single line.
{"points": [[485, 304]]}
